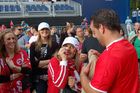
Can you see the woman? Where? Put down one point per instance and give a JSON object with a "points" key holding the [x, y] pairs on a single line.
{"points": [[4, 77], [40, 53], [4, 74], [17, 60], [62, 73]]}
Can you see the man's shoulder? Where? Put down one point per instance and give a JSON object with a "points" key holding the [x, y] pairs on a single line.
{"points": [[89, 39]]}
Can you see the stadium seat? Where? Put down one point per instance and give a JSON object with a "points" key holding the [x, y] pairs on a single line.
{"points": [[63, 8], [45, 8], [17, 8], [36, 8], [7, 8], [1, 8], [24, 0], [12, 8]]}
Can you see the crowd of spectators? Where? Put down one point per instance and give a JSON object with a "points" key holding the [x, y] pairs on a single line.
{"points": [[77, 59]]}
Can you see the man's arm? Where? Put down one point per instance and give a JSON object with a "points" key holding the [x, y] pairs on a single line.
{"points": [[85, 80]]}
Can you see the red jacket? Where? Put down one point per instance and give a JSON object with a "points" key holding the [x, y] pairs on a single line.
{"points": [[58, 74], [4, 71]]}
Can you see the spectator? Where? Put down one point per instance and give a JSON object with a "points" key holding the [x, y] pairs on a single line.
{"points": [[33, 37], [90, 43], [63, 35], [24, 40], [134, 34], [67, 31], [62, 73], [136, 43], [84, 23], [136, 26], [80, 37], [128, 23], [18, 31], [40, 53], [70, 29], [18, 62], [54, 34], [87, 32], [4, 76], [115, 70]]}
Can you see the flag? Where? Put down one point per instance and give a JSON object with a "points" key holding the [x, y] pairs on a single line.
{"points": [[3, 27], [11, 24]]}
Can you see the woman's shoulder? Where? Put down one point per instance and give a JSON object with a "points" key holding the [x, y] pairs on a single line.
{"points": [[54, 61], [22, 51], [33, 44]]}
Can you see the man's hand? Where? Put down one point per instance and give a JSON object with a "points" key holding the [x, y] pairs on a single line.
{"points": [[93, 52], [83, 57], [85, 70]]}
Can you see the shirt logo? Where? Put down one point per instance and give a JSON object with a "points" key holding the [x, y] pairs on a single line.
{"points": [[19, 61]]}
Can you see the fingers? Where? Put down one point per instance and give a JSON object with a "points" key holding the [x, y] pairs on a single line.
{"points": [[61, 53], [94, 52], [85, 69], [83, 57], [14, 76]]}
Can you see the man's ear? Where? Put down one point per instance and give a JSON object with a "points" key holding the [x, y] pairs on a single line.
{"points": [[101, 28]]}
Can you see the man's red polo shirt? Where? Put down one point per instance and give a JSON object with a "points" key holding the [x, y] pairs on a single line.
{"points": [[117, 69]]}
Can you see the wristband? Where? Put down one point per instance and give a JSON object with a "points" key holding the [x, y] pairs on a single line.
{"points": [[63, 63]]}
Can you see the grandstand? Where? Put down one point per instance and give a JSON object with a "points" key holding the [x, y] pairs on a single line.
{"points": [[57, 13]]}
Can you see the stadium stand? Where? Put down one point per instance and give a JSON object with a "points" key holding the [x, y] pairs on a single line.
{"points": [[63, 8], [24, 8], [37, 8], [7, 0], [10, 9], [34, 12]]}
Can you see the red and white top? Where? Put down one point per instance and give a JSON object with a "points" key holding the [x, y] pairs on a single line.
{"points": [[4, 71], [58, 73], [19, 58], [116, 70]]}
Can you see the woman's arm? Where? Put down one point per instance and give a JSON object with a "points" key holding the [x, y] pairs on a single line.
{"points": [[43, 63]]}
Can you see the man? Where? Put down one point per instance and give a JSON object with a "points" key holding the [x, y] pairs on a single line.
{"points": [[80, 37], [18, 31], [128, 23], [116, 69], [133, 34]]}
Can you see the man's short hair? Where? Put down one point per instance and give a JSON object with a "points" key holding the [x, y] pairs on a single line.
{"points": [[108, 18], [15, 26]]}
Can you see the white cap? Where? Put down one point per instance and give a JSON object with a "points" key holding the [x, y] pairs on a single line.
{"points": [[43, 25], [71, 40]]}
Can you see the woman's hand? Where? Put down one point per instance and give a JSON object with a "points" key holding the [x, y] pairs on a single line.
{"points": [[61, 54], [12, 65], [15, 75], [10, 62]]}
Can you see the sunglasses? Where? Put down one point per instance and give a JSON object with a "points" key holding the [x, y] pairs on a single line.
{"points": [[20, 29]]}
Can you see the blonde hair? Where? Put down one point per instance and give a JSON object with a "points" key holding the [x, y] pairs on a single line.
{"points": [[2, 45], [39, 43]]}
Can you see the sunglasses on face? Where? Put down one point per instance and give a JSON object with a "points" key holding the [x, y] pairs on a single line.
{"points": [[20, 29]]}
